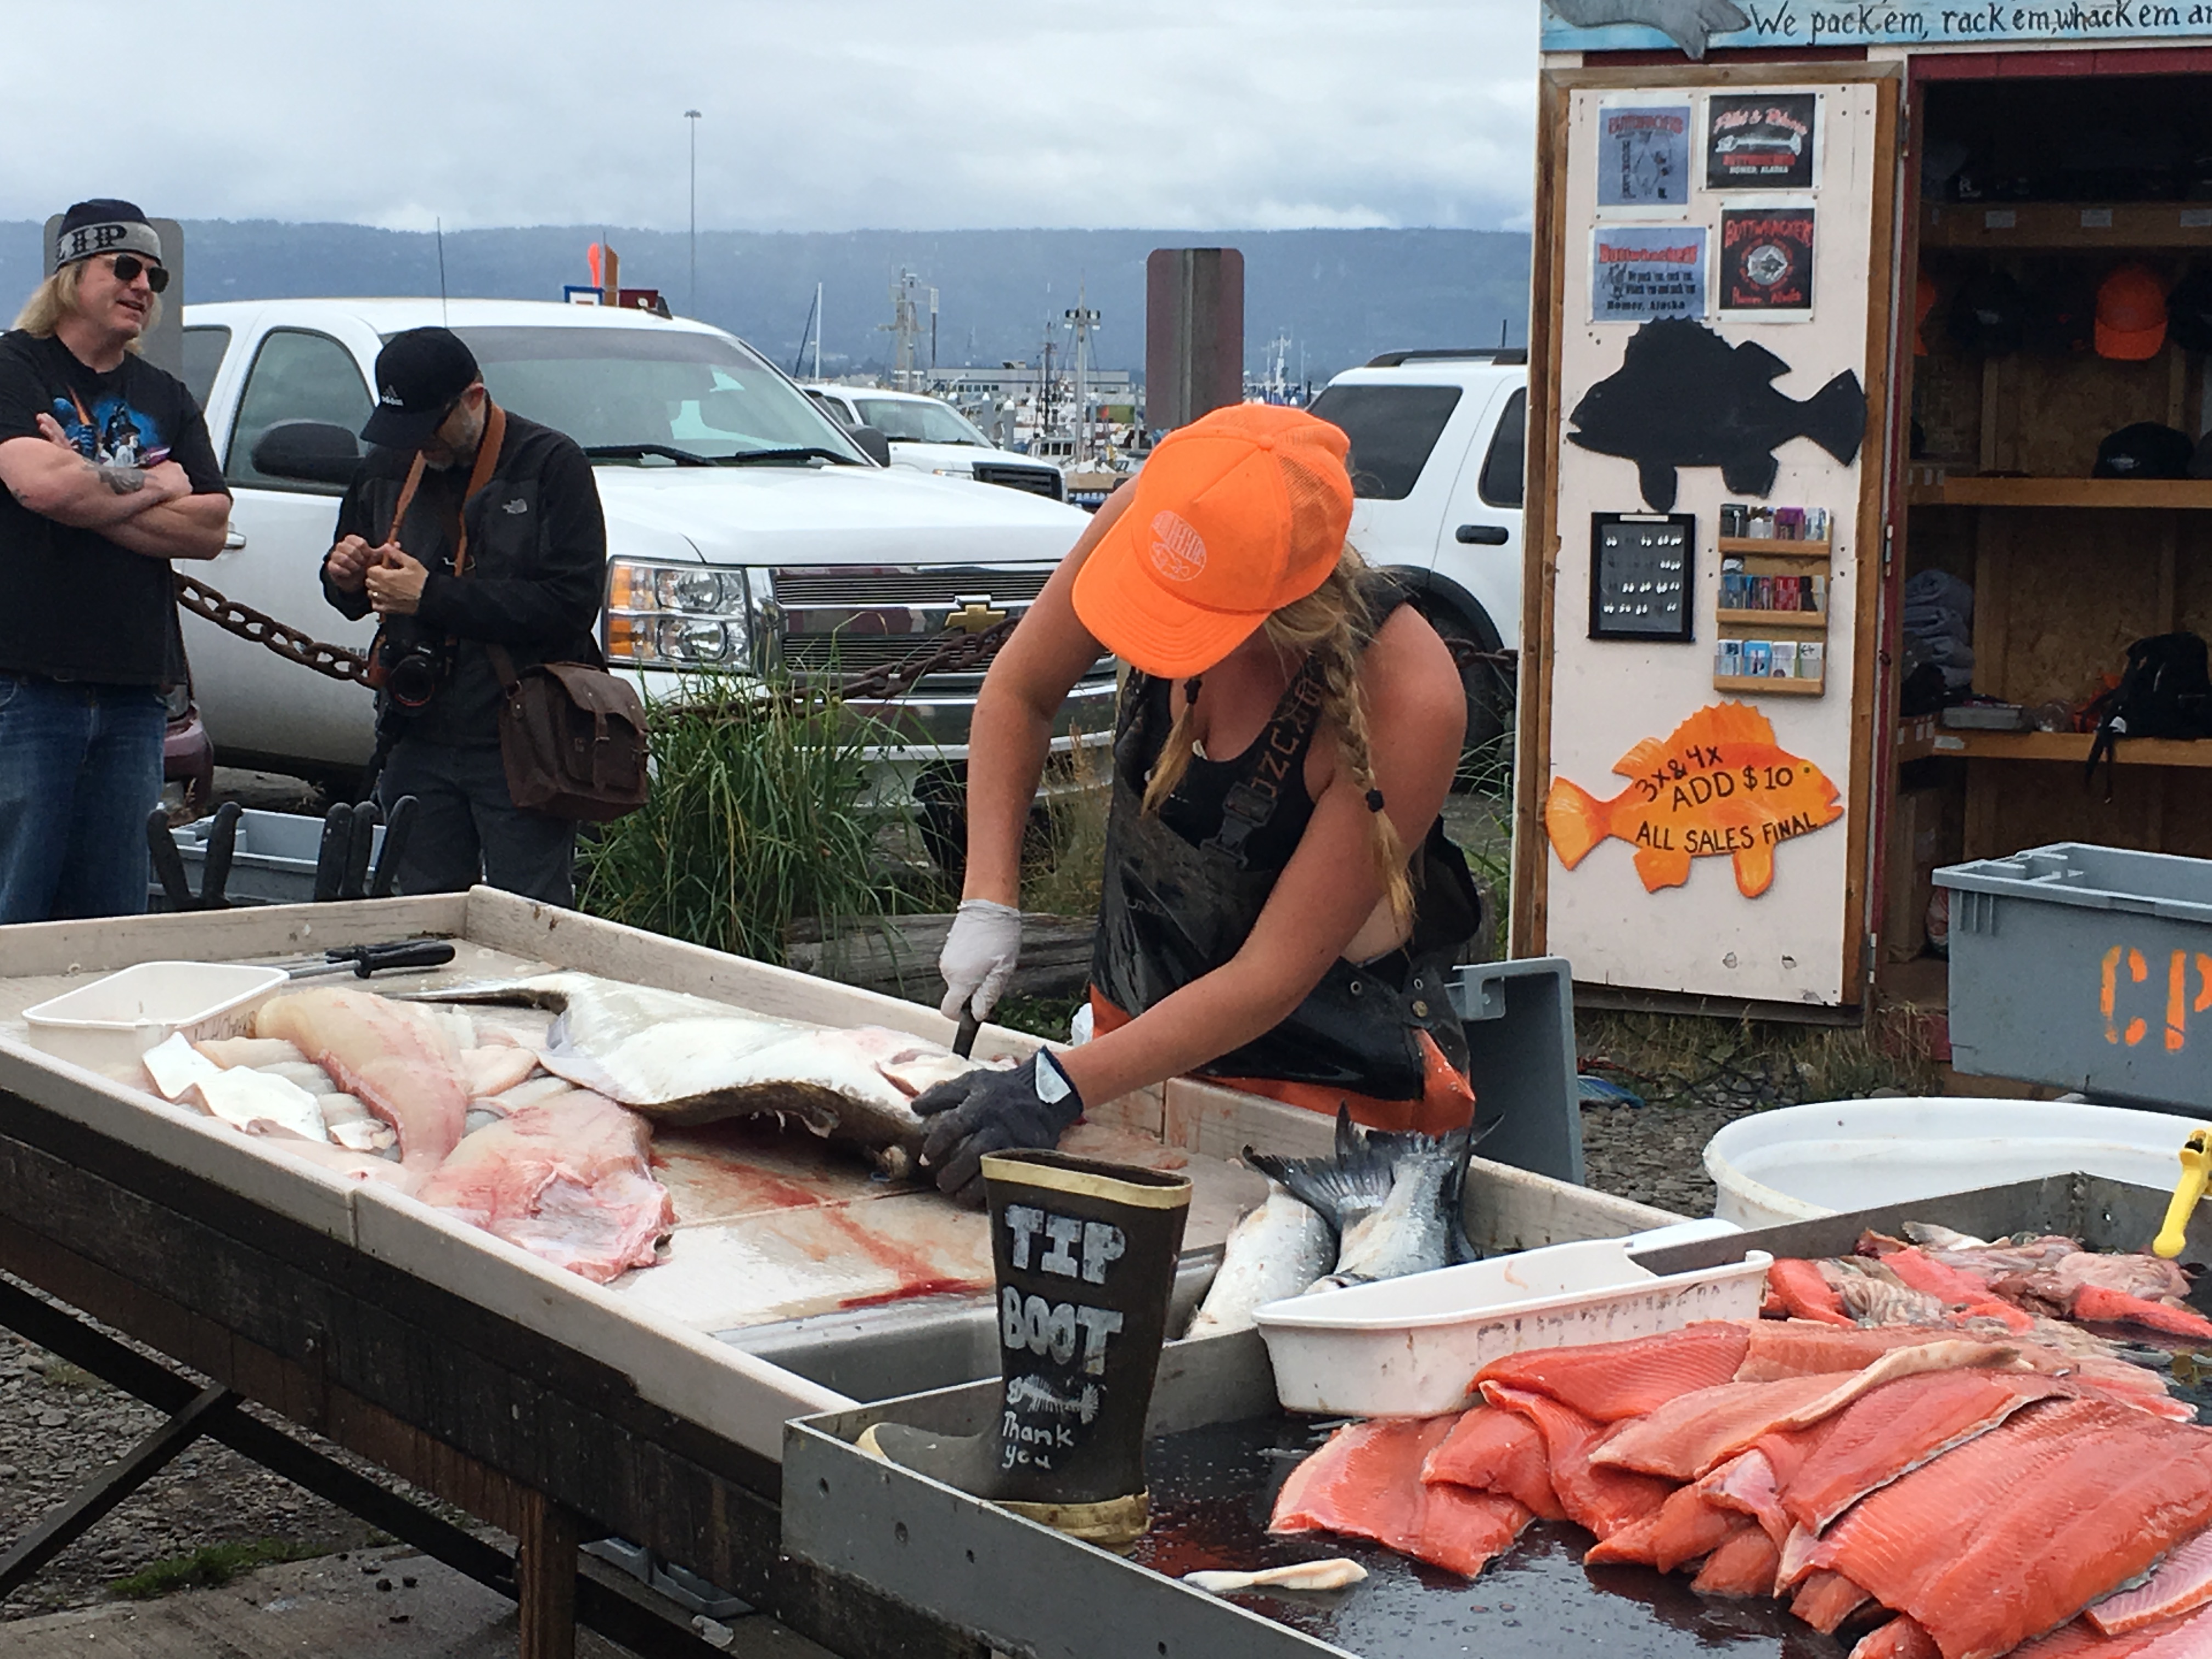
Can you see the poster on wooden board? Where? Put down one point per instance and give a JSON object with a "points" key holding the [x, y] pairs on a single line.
{"points": [[1711, 887], [1642, 272], [1646, 159]]}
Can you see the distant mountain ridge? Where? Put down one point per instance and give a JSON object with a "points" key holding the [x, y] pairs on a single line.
{"points": [[1340, 295]]}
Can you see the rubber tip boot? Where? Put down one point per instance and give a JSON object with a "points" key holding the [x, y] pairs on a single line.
{"points": [[1085, 1253]]}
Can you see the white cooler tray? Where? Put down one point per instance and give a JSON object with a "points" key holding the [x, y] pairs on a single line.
{"points": [[1411, 1346], [115, 1019]]}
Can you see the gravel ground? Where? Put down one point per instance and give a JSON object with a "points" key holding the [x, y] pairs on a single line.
{"points": [[59, 1425], [1655, 1154]]}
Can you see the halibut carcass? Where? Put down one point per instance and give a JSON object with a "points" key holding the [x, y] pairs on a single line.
{"points": [[681, 1058]]}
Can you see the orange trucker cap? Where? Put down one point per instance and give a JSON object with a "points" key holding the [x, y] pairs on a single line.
{"points": [[1236, 515], [2131, 315]]}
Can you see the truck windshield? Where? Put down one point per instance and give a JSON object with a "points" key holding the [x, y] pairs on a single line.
{"points": [[920, 423], [608, 387], [1392, 428]]}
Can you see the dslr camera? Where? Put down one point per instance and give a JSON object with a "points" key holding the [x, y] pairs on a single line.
{"points": [[407, 665]]}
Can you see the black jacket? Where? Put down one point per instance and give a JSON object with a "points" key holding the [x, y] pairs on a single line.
{"points": [[536, 569]]}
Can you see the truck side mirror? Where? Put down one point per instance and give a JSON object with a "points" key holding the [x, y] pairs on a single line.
{"points": [[871, 443], [313, 451]]}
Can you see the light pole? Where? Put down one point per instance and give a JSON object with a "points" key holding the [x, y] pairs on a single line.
{"points": [[692, 116]]}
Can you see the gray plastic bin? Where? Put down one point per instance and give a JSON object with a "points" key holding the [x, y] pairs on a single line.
{"points": [[2089, 967], [274, 860], [1520, 1023]]}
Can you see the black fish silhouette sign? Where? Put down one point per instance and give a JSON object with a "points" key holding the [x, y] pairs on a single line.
{"points": [[1684, 396]]}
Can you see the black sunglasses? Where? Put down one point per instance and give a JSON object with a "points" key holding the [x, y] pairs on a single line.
{"points": [[128, 265]]}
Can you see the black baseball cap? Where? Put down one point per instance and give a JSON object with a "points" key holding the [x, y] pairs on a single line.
{"points": [[2145, 450], [1990, 314], [419, 374]]}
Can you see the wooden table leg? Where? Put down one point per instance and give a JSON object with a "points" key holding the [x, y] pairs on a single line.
{"points": [[545, 1576]]}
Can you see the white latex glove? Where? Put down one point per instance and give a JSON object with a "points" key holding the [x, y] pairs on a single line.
{"points": [[979, 956]]}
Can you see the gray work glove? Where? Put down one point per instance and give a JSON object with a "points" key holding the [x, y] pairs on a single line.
{"points": [[986, 1110], [979, 956]]}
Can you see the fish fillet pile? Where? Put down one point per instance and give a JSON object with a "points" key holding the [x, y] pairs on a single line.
{"points": [[1932, 1493], [339, 1077]]}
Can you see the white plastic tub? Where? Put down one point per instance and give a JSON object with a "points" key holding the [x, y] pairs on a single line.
{"points": [[1411, 1346], [1804, 1161], [113, 1020]]}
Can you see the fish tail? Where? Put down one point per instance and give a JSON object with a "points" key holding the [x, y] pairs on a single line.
{"points": [[1835, 416], [1576, 821], [1351, 1180]]}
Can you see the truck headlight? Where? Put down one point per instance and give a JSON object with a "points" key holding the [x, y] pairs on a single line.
{"points": [[678, 616]]}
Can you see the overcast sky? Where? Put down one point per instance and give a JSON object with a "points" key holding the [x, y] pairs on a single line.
{"points": [[815, 114]]}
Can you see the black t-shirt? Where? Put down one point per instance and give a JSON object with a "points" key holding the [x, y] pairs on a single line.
{"points": [[73, 605]]}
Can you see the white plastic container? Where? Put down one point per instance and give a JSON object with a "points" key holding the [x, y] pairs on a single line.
{"points": [[1804, 1161], [113, 1020], [1411, 1346]]}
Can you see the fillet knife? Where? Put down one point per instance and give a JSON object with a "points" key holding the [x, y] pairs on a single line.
{"points": [[363, 960]]}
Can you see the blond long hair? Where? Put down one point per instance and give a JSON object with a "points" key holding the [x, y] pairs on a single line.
{"points": [[55, 298], [1331, 626]]}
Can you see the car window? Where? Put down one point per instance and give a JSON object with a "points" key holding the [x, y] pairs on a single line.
{"points": [[204, 350], [1392, 430], [830, 406], [1502, 469], [607, 387], [296, 376], [920, 423]]}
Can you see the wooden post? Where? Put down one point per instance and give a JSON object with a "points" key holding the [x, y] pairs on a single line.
{"points": [[545, 1578]]}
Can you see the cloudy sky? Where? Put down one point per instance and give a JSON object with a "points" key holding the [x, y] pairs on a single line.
{"points": [[815, 114]]}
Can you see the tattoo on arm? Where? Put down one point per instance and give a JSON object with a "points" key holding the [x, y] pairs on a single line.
{"points": [[122, 480]]}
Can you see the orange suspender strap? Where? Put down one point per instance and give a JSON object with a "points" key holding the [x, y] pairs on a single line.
{"points": [[494, 436]]}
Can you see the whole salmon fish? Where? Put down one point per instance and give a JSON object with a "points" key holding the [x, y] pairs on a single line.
{"points": [[1716, 787]]}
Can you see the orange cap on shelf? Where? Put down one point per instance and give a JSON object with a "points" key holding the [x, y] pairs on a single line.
{"points": [[1236, 515], [2130, 314]]}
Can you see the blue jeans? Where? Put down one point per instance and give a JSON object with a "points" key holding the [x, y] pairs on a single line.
{"points": [[80, 774]]}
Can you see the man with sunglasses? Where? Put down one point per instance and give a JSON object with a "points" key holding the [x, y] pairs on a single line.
{"points": [[477, 537], [109, 476]]}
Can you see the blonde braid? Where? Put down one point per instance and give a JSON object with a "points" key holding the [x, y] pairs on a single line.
{"points": [[1334, 625]]}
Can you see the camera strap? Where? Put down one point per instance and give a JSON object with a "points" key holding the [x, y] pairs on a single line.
{"points": [[488, 448]]}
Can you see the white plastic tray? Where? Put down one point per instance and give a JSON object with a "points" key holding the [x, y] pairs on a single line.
{"points": [[113, 1020], [1411, 1346]]}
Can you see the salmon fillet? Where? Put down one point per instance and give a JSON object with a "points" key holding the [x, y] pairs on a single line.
{"points": [[2182, 1582], [1796, 1289], [1690, 1525], [1366, 1482], [1743, 1567], [1960, 1290], [1825, 1600], [1750, 1484], [1780, 1348], [2044, 1515], [2189, 1637], [1611, 1381], [1900, 1639], [1602, 1500], [1500, 1451], [1897, 1428], [1689, 1436]]}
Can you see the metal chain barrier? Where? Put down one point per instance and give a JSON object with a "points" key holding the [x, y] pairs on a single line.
{"points": [[953, 653], [228, 614]]}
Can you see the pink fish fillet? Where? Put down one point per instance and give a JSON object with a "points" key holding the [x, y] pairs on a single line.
{"points": [[566, 1179], [2183, 1581], [401, 1067]]}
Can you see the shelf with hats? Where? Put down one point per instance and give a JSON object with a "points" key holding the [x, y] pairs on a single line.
{"points": [[1922, 739], [2084, 225], [1968, 491]]}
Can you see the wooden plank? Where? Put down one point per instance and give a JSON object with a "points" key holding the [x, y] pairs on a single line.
{"points": [[1773, 547], [1540, 553], [1958, 491], [2070, 748], [1993, 226], [1815, 620], [546, 1579], [1870, 682], [1769, 686]]}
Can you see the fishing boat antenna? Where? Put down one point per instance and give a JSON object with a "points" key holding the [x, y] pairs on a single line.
{"points": [[444, 316]]}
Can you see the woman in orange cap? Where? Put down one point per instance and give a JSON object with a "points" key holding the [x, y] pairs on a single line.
{"points": [[1282, 908]]}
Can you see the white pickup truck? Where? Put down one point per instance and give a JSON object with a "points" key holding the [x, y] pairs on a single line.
{"points": [[813, 557], [1436, 463]]}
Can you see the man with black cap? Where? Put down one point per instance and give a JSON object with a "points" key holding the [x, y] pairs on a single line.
{"points": [[477, 537], [109, 476]]}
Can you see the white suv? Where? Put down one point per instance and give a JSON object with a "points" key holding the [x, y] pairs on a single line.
{"points": [[745, 530], [930, 435], [1437, 463]]}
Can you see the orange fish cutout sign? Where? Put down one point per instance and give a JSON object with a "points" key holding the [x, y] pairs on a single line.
{"points": [[1716, 787]]}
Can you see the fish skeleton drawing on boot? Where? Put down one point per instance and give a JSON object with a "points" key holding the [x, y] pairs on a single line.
{"points": [[680, 1059], [1715, 786], [1393, 1199]]}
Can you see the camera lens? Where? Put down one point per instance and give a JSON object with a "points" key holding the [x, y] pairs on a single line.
{"points": [[413, 679]]}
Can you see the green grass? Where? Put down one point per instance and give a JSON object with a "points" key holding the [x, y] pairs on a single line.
{"points": [[1044, 1017], [1672, 1059], [209, 1568], [761, 816]]}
